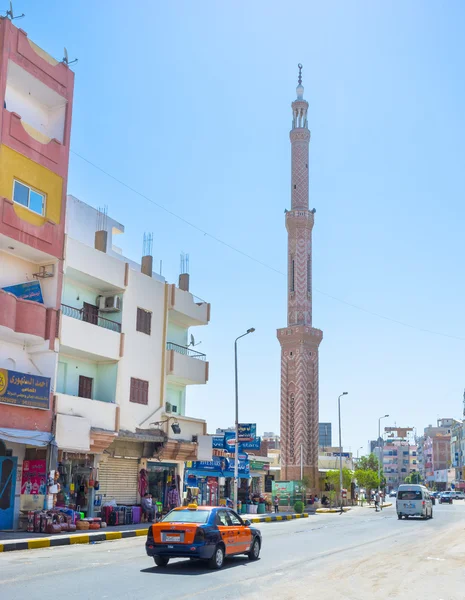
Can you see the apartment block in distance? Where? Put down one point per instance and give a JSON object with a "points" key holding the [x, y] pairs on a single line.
{"points": [[126, 361], [35, 120]]}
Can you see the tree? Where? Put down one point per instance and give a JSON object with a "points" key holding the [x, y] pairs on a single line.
{"points": [[332, 479], [368, 463], [367, 478], [413, 478]]}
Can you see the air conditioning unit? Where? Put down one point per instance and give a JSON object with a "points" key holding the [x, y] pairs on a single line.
{"points": [[174, 408], [109, 304]]}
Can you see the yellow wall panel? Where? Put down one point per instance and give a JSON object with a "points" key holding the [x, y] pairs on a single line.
{"points": [[14, 165]]}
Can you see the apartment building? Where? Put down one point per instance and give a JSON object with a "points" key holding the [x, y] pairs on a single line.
{"points": [[125, 363], [437, 453], [35, 122], [400, 455]]}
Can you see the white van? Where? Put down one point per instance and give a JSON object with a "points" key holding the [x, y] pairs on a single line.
{"points": [[414, 501]]}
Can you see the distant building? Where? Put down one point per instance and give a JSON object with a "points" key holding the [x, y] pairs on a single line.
{"points": [[324, 435], [399, 455], [272, 440], [435, 453]]}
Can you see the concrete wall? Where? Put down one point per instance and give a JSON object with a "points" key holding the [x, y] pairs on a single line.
{"points": [[90, 339], [143, 354], [99, 414], [177, 335], [176, 394]]}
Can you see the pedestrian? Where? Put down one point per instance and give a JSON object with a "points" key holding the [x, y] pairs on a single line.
{"points": [[276, 504], [377, 501], [173, 497], [147, 507]]}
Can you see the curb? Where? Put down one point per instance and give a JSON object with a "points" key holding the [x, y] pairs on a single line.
{"points": [[384, 505], [323, 511], [273, 518], [86, 538]]}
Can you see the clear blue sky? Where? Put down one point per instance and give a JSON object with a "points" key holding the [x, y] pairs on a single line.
{"points": [[190, 104]]}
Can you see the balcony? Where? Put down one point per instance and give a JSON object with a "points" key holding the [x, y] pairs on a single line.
{"points": [[185, 366], [186, 310], [93, 268], [101, 415], [190, 427], [94, 341], [24, 320]]}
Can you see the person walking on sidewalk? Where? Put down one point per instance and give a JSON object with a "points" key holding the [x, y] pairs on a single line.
{"points": [[377, 501], [173, 497], [276, 503]]}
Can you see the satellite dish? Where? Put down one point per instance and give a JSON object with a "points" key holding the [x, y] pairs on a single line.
{"points": [[192, 340], [10, 15], [66, 60]]}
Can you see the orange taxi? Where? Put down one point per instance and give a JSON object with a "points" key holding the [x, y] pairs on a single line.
{"points": [[208, 533]]}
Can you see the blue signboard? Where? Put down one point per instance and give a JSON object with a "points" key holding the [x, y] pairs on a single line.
{"points": [[344, 454], [229, 443], [225, 465], [218, 442], [30, 290], [254, 445], [247, 432], [21, 389]]}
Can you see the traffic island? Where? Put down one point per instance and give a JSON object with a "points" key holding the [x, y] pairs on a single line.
{"points": [[276, 517], [332, 510]]}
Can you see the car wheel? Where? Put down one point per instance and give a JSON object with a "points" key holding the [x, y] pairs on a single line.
{"points": [[405, 516], [217, 560], [255, 550], [399, 517], [161, 561]]}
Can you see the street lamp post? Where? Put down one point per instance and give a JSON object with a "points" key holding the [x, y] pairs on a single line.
{"points": [[236, 441], [340, 446], [380, 452]]}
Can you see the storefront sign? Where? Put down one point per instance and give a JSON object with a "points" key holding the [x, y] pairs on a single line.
{"points": [[27, 291], [218, 442], [22, 389], [33, 480], [256, 465], [253, 445], [225, 465], [344, 454]]}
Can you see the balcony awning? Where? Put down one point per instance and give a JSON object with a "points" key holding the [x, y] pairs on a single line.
{"points": [[26, 436]]}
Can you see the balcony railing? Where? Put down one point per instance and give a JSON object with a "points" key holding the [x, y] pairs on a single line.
{"points": [[78, 313], [186, 351]]}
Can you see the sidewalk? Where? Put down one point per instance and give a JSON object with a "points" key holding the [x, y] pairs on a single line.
{"points": [[25, 540]]}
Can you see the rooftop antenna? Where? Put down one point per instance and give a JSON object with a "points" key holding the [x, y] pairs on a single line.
{"points": [[65, 60], [148, 244], [102, 214], [10, 15]]}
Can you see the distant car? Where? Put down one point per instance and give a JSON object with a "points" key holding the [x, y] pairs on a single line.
{"points": [[393, 494], [458, 495], [446, 498]]}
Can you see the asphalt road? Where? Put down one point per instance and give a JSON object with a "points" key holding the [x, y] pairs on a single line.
{"points": [[355, 556]]}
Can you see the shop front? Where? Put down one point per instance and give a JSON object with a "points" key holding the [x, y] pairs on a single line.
{"points": [[161, 478], [211, 483]]}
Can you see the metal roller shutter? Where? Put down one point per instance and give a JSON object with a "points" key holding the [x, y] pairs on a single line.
{"points": [[118, 479]]}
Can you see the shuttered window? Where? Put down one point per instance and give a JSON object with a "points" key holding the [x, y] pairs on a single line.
{"points": [[139, 391], [85, 387], [118, 479], [144, 321]]}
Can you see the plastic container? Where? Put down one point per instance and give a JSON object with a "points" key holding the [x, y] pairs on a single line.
{"points": [[261, 508]]}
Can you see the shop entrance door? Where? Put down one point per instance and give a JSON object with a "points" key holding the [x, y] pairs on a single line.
{"points": [[7, 490]]}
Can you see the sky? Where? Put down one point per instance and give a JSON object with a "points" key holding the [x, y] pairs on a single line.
{"points": [[189, 104]]}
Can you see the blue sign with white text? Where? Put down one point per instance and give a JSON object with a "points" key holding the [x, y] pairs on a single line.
{"points": [[30, 290], [23, 389]]}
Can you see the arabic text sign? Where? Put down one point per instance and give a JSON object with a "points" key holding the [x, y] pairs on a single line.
{"points": [[22, 389], [30, 290], [247, 432]]}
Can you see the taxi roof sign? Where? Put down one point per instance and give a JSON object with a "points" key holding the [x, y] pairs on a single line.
{"points": [[192, 506]]}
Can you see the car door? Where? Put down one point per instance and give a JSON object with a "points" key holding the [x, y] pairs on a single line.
{"points": [[242, 533], [227, 532]]}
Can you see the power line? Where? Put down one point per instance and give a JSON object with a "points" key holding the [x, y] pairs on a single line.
{"points": [[253, 258]]}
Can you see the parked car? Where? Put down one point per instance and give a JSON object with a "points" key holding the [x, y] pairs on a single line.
{"points": [[446, 498], [460, 495], [204, 533]]}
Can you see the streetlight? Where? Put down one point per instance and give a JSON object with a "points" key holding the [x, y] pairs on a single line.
{"points": [[358, 450], [340, 446], [236, 441], [380, 453]]}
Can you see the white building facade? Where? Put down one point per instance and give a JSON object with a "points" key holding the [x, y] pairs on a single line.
{"points": [[125, 362]]}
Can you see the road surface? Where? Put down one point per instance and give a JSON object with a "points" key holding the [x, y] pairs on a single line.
{"points": [[360, 555]]}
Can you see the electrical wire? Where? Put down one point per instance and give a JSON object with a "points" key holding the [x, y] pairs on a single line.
{"points": [[253, 258]]}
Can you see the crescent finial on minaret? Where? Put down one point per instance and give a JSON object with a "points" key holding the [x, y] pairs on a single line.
{"points": [[300, 73], [300, 87]]}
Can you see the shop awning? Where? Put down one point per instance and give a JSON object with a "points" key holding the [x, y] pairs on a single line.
{"points": [[26, 436]]}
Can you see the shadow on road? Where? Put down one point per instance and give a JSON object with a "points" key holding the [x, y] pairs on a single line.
{"points": [[195, 567]]}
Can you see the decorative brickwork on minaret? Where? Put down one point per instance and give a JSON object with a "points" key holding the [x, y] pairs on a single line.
{"points": [[299, 340]]}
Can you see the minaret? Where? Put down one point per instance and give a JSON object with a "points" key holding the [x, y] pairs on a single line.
{"points": [[299, 340]]}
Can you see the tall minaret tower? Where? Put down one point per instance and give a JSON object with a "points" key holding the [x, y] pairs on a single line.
{"points": [[299, 340]]}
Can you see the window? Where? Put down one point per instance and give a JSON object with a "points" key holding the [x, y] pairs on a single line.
{"points": [[235, 520], [144, 321], [139, 391], [85, 387], [187, 516], [222, 518], [31, 199], [292, 275]]}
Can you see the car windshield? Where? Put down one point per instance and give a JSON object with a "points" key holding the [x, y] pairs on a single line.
{"points": [[187, 516], [409, 495]]}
